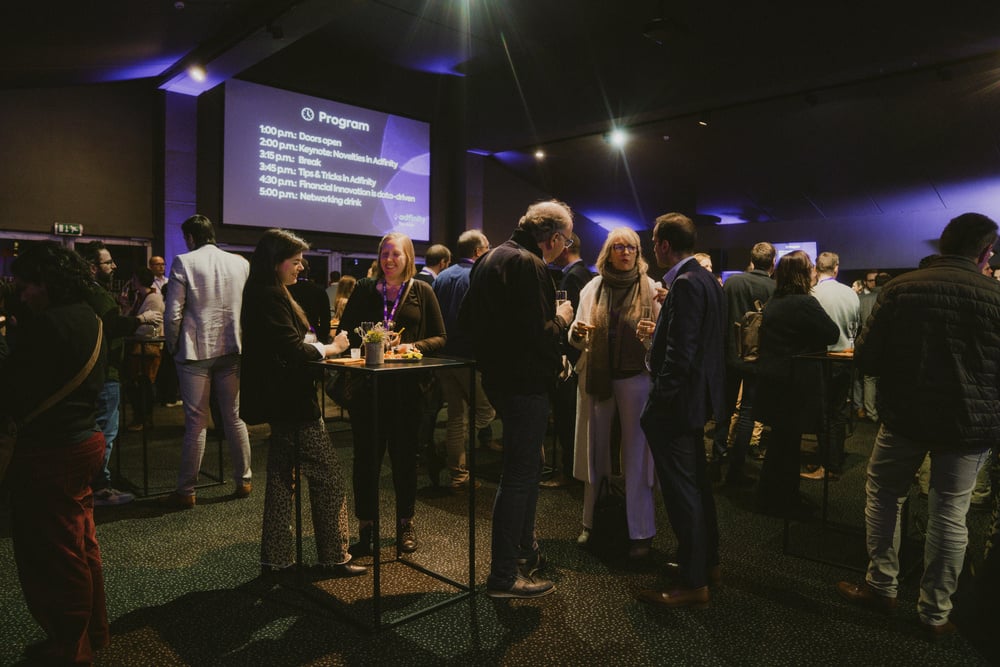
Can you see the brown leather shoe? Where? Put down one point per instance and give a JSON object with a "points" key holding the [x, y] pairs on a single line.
{"points": [[243, 489], [713, 574], [937, 632], [864, 595], [557, 481], [178, 502], [677, 598]]}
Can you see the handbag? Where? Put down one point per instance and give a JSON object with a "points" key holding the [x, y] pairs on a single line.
{"points": [[609, 533], [8, 433]]}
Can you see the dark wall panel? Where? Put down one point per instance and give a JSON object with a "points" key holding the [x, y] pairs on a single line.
{"points": [[82, 155]]}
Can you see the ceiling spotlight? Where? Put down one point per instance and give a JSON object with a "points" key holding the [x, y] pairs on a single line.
{"points": [[618, 138], [539, 154], [197, 73], [703, 121]]}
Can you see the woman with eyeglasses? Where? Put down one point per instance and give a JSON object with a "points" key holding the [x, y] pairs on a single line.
{"points": [[614, 379], [793, 323]]}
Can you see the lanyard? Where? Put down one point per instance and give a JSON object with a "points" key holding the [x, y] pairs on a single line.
{"points": [[390, 315]]}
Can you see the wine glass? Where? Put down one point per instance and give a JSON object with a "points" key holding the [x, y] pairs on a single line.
{"points": [[852, 332], [645, 325]]}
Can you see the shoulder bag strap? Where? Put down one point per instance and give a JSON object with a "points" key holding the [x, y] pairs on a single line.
{"points": [[74, 382]]}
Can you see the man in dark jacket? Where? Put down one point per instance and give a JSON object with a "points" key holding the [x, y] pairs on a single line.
{"points": [[933, 340], [574, 275], [742, 290], [687, 363], [517, 328]]}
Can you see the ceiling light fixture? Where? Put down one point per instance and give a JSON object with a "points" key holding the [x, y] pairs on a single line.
{"points": [[618, 138], [539, 154], [197, 72]]}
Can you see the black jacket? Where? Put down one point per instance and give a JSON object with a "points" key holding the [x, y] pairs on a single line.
{"points": [[787, 390], [933, 340], [418, 316], [510, 310], [573, 281], [276, 383], [741, 290], [51, 348]]}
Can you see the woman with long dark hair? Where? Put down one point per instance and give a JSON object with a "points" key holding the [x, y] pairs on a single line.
{"points": [[277, 386], [614, 379], [787, 398], [391, 296]]}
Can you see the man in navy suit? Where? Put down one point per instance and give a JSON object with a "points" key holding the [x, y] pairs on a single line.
{"points": [[687, 361]]}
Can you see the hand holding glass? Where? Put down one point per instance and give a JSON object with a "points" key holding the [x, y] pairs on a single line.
{"points": [[645, 327], [561, 297]]}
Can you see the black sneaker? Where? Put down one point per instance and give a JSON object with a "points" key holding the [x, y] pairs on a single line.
{"points": [[523, 588]]}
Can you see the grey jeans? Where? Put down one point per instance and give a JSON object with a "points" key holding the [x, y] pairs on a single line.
{"points": [[894, 461]]}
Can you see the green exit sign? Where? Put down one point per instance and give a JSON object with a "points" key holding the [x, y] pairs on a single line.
{"points": [[67, 228]]}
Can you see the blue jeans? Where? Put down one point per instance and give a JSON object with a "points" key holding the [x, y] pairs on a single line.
{"points": [[893, 464], [525, 420], [108, 406]]}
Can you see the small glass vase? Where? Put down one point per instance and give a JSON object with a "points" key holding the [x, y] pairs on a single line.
{"points": [[374, 354]]}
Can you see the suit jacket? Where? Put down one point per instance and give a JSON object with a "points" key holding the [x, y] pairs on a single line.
{"points": [[687, 356], [202, 320], [573, 282]]}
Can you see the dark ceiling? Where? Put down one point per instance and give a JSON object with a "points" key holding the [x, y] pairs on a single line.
{"points": [[772, 79]]}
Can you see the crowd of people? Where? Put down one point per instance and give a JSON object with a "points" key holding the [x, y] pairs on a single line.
{"points": [[621, 361]]}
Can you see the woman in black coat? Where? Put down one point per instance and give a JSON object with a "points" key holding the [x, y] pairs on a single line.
{"points": [[277, 386], [391, 295], [788, 398]]}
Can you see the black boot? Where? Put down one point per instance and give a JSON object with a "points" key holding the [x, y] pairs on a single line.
{"points": [[406, 536], [363, 547]]}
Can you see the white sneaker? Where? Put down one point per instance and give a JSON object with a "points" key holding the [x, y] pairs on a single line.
{"points": [[110, 496], [583, 537]]}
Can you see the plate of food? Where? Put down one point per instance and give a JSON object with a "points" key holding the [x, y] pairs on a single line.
{"points": [[412, 355]]}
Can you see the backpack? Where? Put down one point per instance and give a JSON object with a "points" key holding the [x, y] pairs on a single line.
{"points": [[748, 333]]}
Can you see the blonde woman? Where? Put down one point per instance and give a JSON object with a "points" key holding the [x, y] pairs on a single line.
{"points": [[391, 295], [614, 379]]}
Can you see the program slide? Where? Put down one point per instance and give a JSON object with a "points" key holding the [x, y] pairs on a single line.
{"points": [[305, 163]]}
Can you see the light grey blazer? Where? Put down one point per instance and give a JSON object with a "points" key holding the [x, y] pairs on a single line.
{"points": [[204, 300]]}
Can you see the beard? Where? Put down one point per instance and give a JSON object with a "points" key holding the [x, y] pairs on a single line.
{"points": [[103, 279]]}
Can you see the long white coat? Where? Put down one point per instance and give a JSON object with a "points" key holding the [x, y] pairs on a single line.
{"points": [[587, 441]]}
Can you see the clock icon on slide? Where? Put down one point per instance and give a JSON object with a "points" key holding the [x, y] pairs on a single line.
{"points": [[308, 114]]}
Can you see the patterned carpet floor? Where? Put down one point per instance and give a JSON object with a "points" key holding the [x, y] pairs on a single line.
{"points": [[184, 588]]}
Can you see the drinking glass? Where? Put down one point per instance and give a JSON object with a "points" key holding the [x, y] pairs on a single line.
{"points": [[561, 297], [646, 322]]}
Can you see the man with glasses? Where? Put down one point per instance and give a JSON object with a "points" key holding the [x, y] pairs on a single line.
{"points": [[517, 329], [116, 326]]}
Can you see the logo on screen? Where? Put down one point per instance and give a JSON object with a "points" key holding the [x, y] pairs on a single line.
{"points": [[307, 113]]}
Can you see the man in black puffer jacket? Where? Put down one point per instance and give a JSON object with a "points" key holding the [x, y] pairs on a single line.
{"points": [[933, 340]]}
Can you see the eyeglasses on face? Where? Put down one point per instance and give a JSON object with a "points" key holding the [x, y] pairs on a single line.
{"points": [[622, 247], [107, 262], [567, 242]]}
